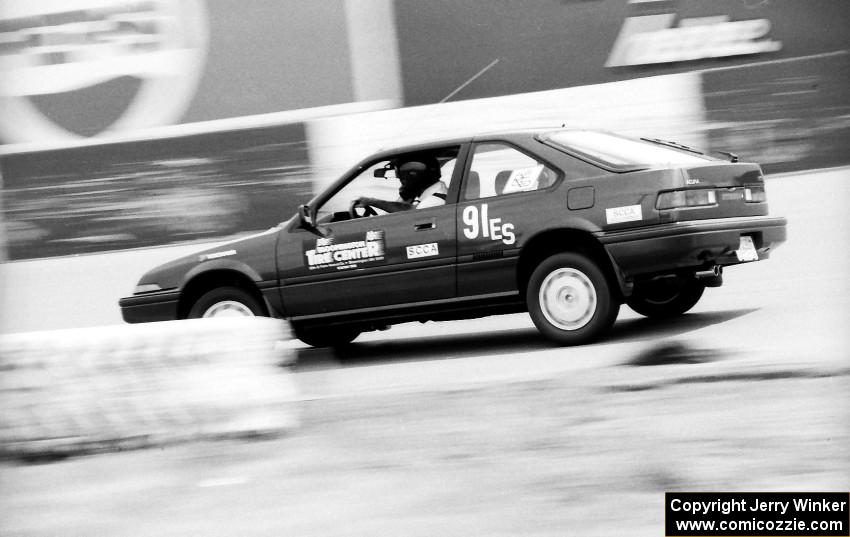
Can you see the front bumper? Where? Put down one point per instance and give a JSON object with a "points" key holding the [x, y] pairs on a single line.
{"points": [[691, 244], [150, 307]]}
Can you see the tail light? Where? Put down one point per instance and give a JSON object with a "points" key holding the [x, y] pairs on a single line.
{"points": [[685, 198], [755, 194]]}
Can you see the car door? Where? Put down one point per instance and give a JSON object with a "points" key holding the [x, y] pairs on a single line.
{"points": [[506, 197], [369, 263]]}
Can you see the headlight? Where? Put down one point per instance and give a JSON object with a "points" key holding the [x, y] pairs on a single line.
{"points": [[146, 288]]}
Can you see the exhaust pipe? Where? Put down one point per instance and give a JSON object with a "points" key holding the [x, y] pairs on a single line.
{"points": [[713, 272], [712, 277]]}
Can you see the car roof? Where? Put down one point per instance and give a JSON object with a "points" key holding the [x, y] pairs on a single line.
{"points": [[417, 147], [456, 140]]}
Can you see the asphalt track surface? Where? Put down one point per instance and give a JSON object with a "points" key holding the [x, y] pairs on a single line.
{"points": [[481, 427]]}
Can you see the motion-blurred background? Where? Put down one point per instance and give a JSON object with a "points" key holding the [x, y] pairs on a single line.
{"points": [[129, 123]]}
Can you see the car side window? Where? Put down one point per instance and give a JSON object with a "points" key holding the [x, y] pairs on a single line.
{"points": [[381, 189], [365, 184], [499, 169]]}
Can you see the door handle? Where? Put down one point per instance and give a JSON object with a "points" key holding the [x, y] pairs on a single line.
{"points": [[422, 226]]}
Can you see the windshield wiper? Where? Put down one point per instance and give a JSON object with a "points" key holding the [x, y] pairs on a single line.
{"points": [[675, 145]]}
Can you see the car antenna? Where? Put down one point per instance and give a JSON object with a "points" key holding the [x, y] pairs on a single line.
{"points": [[454, 92], [469, 81]]}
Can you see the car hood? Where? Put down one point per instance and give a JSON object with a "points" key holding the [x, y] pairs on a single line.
{"points": [[249, 255]]}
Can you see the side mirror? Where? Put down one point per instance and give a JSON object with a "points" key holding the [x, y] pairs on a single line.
{"points": [[306, 217]]}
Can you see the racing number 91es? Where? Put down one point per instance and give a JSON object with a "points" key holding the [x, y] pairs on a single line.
{"points": [[478, 223]]}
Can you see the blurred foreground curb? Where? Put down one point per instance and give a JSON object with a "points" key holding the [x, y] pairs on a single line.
{"points": [[74, 392]]}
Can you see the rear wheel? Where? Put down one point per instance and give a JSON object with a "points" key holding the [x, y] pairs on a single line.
{"points": [[666, 297], [227, 302], [325, 336], [569, 299]]}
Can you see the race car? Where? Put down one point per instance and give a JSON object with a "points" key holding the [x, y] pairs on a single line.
{"points": [[564, 224]]}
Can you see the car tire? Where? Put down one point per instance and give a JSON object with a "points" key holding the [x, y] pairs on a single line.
{"points": [[570, 299], [667, 297], [227, 302], [324, 336]]}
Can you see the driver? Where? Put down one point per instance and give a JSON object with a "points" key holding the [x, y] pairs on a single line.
{"points": [[420, 187]]}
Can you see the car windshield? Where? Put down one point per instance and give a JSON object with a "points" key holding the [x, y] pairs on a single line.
{"points": [[619, 152]]}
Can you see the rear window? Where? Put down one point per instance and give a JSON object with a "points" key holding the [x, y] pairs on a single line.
{"points": [[618, 152]]}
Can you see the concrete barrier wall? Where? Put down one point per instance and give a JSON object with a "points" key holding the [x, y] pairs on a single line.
{"points": [[71, 392]]}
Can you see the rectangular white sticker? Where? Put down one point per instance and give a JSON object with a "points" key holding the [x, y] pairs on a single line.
{"points": [[423, 250], [618, 215]]}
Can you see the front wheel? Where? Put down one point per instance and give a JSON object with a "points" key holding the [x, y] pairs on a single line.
{"points": [[569, 299], [227, 302], [666, 297]]}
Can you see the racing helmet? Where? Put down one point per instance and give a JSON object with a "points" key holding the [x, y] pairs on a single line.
{"points": [[416, 176]]}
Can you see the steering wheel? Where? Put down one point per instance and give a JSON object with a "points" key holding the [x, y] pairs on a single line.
{"points": [[366, 211]]}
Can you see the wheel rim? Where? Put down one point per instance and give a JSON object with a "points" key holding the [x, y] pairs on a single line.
{"points": [[228, 308], [567, 298]]}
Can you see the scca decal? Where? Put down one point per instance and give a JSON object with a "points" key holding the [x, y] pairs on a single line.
{"points": [[619, 215], [345, 255], [423, 250], [478, 223]]}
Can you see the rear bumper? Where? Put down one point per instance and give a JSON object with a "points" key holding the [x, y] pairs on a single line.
{"points": [[150, 307], [692, 244]]}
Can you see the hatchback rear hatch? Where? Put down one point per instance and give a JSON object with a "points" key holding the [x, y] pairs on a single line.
{"points": [[715, 191], [701, 186]]}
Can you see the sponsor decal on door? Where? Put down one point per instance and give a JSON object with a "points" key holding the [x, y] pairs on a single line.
{"points": [[423, 250], [327, 253]]}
